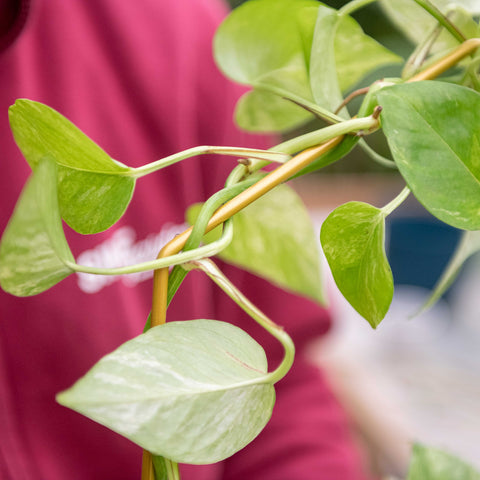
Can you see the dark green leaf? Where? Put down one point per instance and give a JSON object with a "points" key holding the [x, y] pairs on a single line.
{"points": [[433, 464], [433, 130], [88, 177], [353, 238], [193, 392], [274, 238], [34, 254]]}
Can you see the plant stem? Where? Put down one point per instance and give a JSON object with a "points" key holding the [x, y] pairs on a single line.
{"points": [[148, 472], [208, 267], [450, 60], [264, 185], [307, 140], [375, 156], [353, 6], [202, 150], [442, 19], [201, 252], [396, 202]]}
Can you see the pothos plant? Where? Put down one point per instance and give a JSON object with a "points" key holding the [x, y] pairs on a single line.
{"points": [[198, 391]]}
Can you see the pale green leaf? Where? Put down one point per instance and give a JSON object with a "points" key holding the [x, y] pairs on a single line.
{"points": [[274, 238], [433, 464], [341, 55], [357, 54], [468, 246], [353, 238], [433, 130], [193, 392], [88, 177], [417, 24], [266, 44], [264, 111], [323, 68], [34, 254]]}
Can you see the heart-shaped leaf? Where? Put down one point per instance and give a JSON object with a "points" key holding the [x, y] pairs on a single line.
{"points": [[433, 464], [304, 47], [34, 254], [433, 130], [341, 55], [274, 238], [271, 55], [193, 392], [352, 239], [87, 176]]}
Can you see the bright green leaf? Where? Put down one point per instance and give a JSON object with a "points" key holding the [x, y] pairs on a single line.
{"points": [[266, 43], [274, 238], [264, 111], [433, 130], [34, 254], [352, 239], [193, 392], [417, 24], [468, 245], [433, 464], [88, 177], [341, 55], [323, 68], [357, 54]]}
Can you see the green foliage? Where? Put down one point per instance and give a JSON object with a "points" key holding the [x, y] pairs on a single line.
{"points": [[433, 132], [198, 391], [433, 464], [274, 238], [352, 238], [303, 60], [194, 392], [341, 55], [417, 24], [87, 176], [34, 254]]}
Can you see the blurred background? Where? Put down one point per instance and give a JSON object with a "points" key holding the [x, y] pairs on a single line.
{"points": [[417, 377]]}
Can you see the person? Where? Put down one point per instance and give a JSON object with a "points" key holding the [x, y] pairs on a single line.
{"points": [[138, 78]]}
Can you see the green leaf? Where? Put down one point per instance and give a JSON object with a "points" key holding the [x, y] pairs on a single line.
{"points": [[433, 130], [357, 54], [298, 54], [274, 238], [433, 464], [193, 392], [417, 24], [270, 55], [341, 55], [87, 176], [468, 245], [353, 238], [264, 111], [34, 254]]}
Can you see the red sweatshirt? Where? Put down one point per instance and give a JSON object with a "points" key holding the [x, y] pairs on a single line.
{"points": [[138, 78]]}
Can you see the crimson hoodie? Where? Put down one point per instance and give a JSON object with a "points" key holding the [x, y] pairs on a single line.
{"points": [[137, 77]]}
